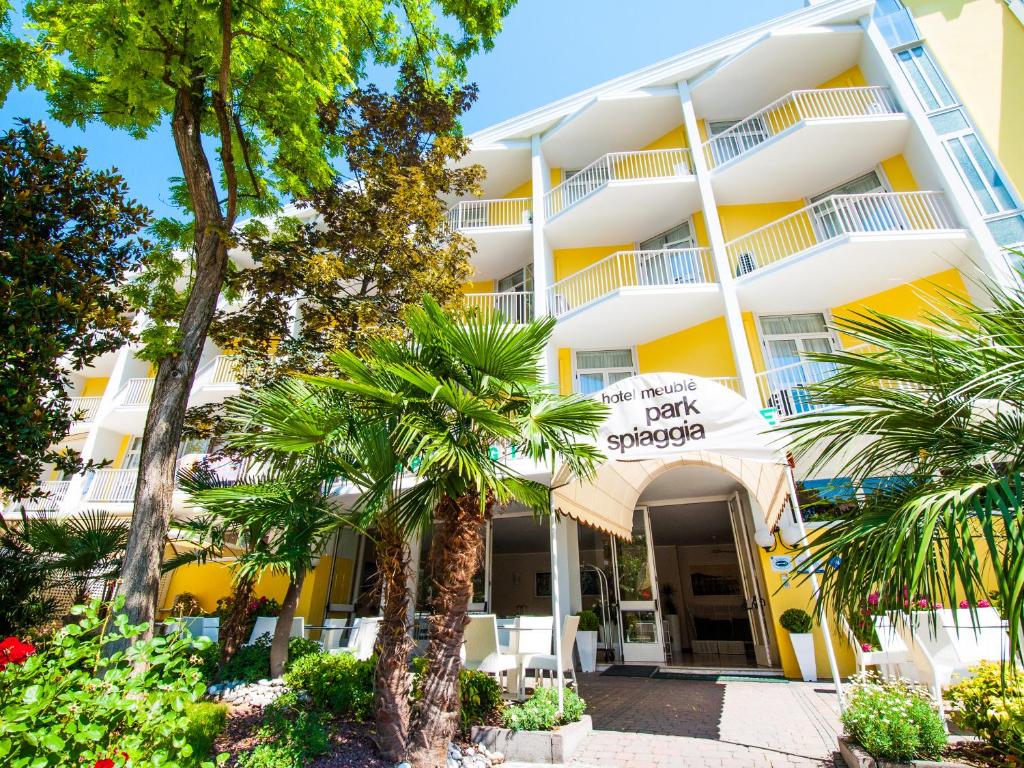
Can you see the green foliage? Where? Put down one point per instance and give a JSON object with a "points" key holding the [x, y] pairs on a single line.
{"points": [[66, 244], [206, 721], [22, 579], [540, 711], [292, 736], [69, 704], [479, 698], [991, 704], [796, 620], [186, 604], [893, 719], [337, 682], [589, 621], [252, 662]]}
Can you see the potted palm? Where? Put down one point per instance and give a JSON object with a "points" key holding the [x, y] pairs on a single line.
{"points": [[586, 640], [798, 623]]}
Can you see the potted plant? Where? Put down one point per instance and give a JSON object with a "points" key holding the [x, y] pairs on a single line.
{"points": [[798, 623], [586, 640]]}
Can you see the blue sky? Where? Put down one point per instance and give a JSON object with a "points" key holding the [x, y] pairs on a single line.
{"points": [[547, 50]]}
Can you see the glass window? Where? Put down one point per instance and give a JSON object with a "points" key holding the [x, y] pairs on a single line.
{"points": [[949, 122], [131, 456], [1008, 230], [978, 171], [520, 281], [677, 237], [785, 325], [988, 171], [931, 87], [598, 369]]}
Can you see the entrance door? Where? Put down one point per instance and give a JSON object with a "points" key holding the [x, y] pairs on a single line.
{"points": [[639, 615], [753, 598]]}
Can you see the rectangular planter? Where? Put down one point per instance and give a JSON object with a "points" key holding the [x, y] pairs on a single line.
{"points": [[855, 757], [549, 747]]}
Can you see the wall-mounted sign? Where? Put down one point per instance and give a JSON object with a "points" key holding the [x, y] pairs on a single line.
{"points": [[661, 414], [781, 563]]}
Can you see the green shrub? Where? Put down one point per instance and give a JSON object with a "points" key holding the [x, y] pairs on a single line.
{"points": [[337, 682], [589, 622], [292, 736], [252, 662], [67, 704], [893, 719], [540, 711], [992, 706], [796, 620], [206, 721], [479, 697], [186, 604]]}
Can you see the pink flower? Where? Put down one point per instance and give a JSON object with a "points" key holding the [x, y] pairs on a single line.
{"points": [[922, 603], [936, 606], [865, 646], [964, 604], [984, 604], [873, 599]]}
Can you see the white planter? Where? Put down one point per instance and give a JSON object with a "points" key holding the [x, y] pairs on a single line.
{"points": [[803, 647], [586, 644]]}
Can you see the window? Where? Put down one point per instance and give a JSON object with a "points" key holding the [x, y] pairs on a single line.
{"points": [[831, 220], [131, 456], [520, 281], [596, 370], [729, 141], [517, 307], [979, 173], [677, 237], [929, 83], [580, 183], [787, 340], [672, 260]]}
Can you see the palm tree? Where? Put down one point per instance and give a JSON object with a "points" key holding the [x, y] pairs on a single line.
{"points": [[939, 404], [283, 517]]}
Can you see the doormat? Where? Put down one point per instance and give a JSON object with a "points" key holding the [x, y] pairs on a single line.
{"points": [[629, 670], [724, 678]]}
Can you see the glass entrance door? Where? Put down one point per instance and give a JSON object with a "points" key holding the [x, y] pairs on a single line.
{"points": [[639, 614], [753, 596]]}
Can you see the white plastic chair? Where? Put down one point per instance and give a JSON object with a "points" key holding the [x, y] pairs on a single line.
{"points": [[893, 655], [361, 639], [480, 647], [330, 637], [267, 625], [199, 626], [548, 662]]}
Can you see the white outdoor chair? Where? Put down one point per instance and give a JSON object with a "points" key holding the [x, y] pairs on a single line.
{"points": [[334, 629], [893, 655], [198, 626], [548, 662], [361, 639], [480, 647], [267, 625], [530, 636]]}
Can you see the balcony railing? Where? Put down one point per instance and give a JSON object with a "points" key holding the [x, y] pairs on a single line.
{"points": [[834, 217], [631, 269], [112, 485], [56, 491], [791, 109], [136, 392], [223, 369], [729, 382], [84, 408], [514, 307], [479, 214], [617, 166]]}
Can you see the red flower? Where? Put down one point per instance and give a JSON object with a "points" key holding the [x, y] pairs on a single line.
{"points": [[105, 762], [13, 651]]}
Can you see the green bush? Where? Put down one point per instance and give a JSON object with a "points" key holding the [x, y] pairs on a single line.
{"points": [[540, 711], [252, 662], [292, 736], [893, 720], [796, 620], [589, 622], [206, 721], [479, 697], [992, 706], [337, 682], [68, 704]]}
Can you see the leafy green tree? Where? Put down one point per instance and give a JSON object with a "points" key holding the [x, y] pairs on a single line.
{"points": [[258, 78], [66, 242], [932, 414]]}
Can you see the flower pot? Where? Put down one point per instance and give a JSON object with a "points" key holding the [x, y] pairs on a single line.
{"points": [[586, 645], [803, 647]]}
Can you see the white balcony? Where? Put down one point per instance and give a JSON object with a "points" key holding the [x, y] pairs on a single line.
{"points": [[845, 247], [513, 307], [807, 140], [128, 414], [215, 380], [622, 197], [500, 228], [55, 492], [111, 486], [631, 297], [83, 409]]}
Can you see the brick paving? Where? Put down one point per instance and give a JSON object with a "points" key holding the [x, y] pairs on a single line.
{"points": [[645, 723]]}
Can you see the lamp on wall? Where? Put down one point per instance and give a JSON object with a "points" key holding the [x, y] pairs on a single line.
{"points": [[765, 539]]}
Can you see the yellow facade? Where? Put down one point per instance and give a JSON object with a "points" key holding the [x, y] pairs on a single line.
{"points": [[95, 386], [702, 350]]}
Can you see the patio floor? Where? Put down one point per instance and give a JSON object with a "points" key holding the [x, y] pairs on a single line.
{"points": [[648, 723]]}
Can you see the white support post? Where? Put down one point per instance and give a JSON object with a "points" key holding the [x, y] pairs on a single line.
{"points": [[726, 281], [543, 258], [556, 607]]}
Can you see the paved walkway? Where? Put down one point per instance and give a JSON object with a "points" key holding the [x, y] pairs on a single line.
{"points": [[645, 723]]}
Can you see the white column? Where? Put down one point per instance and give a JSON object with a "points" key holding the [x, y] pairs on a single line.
{"points": [[543, 257], [733, 314], [556, 602]]}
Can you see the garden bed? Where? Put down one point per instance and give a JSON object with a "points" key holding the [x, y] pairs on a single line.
{"points": [[556, 746], [856, 757]]}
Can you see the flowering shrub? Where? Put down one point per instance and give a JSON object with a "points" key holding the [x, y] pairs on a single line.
{"points": [[893, 719], [13, 651], [69, 705], [540, 711], [991, 705]]}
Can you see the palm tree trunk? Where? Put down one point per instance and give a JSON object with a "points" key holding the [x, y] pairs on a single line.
{"points": [[282, 632], [394, 645], [454, 552], [233, 633]]}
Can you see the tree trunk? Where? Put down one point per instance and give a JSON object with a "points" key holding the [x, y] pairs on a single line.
{"points": [[234, 631], [454, 552], [283, 630], [140, 573], [394, 645]]}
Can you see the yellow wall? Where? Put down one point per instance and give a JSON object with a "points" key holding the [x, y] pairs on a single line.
{"points": [[568, 261], [753, 340], [739, 219], [480, 286], [672, 140], [851, 78], [702, 350], [565, 371], [979, 45], [523, 190], [95, 387], [899, 175], [122, 450]]}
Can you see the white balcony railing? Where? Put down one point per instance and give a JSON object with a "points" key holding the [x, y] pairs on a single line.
{"points": [[223, 369], [111, 485], [83, 409], [631, 269], [836, 216], [729, 382], [56, 491], [479, 214], [785, 388], [514, 307], [617, 166], [136, 392], [792, 108]]}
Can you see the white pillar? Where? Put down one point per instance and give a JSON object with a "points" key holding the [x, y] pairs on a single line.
{"points": [[556, 603], [543, 257], [726, 280]]}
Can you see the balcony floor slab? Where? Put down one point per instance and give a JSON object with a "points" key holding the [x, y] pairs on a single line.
{"points": [[499, 250]]}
